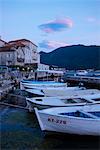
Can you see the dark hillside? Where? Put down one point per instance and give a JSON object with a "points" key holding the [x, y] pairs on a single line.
{"points": [[73, 57]]}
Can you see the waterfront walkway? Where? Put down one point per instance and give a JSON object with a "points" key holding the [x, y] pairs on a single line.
{"points": [[93, 82]]}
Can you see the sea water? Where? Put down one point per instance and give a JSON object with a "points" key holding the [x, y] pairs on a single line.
{"points": [[20, 130]]}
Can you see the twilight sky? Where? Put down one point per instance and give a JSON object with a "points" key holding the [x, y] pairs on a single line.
{"points": [[51, 23]]}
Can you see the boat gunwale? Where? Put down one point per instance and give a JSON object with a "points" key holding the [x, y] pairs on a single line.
{"points": [[69, 117]]}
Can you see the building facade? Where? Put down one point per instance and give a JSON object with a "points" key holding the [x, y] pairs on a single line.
{"points": [[43, 67], [19, 52], [7, 56]]}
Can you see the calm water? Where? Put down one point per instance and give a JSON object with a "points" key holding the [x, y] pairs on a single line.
{"points": [[20, 131]]}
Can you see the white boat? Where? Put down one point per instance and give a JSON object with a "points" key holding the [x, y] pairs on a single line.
{"points": [[35, 91], [82, 120], [52, 91], [81, 72], [72, 99], [34, 84]]}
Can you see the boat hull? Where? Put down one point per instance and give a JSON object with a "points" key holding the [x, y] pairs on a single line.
{"points": [[68, 125], [32, 105], [38, 84], [50, 102], [62, 91]]}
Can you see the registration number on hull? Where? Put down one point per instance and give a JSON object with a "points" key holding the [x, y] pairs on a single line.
{"points": [[58, 121]]}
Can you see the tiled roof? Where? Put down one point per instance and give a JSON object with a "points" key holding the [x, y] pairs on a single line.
{"points": [[12, 45], [21, 40], [15, 44]]}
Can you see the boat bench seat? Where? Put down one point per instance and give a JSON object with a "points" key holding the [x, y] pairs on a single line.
{"points": [[88, 114]]}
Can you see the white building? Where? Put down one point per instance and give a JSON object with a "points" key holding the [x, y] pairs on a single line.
{"points": [[19, 52], [26, 49], [7, 55], [43, 67]]}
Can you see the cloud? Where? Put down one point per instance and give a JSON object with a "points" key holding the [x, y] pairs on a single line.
{"points": [[56, 25], [51, 44], [91, 19]]}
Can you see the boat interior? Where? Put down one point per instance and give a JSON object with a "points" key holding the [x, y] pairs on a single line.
{"points": [[96, 99], [83, 114], [75, 100]]}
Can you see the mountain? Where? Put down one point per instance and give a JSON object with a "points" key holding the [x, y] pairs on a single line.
{"points": [[73, 57]]}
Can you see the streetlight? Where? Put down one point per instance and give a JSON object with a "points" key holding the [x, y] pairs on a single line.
{"points": [[28, 68]]}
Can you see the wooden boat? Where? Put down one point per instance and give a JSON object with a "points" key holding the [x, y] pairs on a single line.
{"points": [[82, 120], [52, 91], [33, 84], [70, 100]]}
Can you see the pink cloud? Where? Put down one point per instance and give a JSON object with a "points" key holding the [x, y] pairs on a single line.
{"points": [[56, 25], [52, 44]]}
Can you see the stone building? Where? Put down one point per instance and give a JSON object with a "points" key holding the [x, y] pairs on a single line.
{"points": [[19, 52]]}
